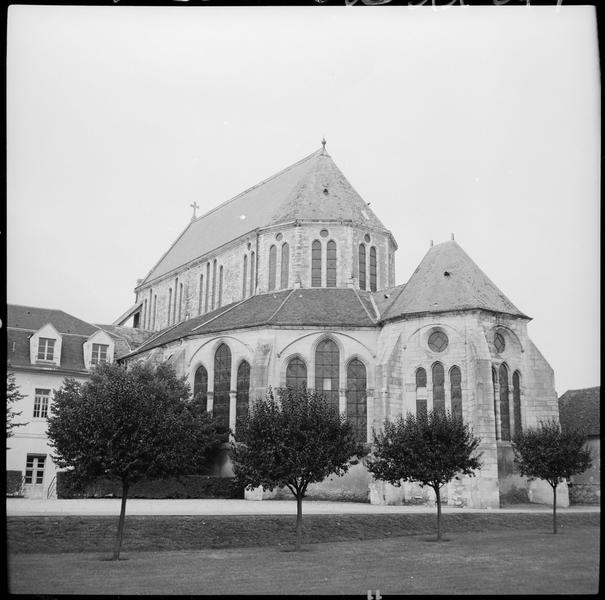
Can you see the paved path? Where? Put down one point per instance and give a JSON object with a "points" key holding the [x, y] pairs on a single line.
{"points": [[135, 506]]}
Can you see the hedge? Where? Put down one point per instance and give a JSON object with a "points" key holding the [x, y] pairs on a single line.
{"points": [[13, 482], [190, 486]]}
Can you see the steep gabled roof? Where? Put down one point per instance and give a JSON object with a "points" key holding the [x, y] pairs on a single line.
{"points": [[581, 409], [447, 279], [297, 192], [319, 307], [32, 318]]}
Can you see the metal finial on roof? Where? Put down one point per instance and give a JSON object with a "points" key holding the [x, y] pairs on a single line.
{"points": [[452, 237], [431, 243], [195, 206], [323, 144]]}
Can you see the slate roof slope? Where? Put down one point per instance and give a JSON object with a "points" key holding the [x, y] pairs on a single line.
{"points": [[294, 193], [126, 338], [581, 409], [320, 307], [32, 318], [447, 279]]}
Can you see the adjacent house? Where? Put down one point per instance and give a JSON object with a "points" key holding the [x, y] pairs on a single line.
{"points": [[581, 409], [44, 347]]}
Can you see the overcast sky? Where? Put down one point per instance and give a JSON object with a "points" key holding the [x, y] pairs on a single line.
{"points": [[482, 121]]}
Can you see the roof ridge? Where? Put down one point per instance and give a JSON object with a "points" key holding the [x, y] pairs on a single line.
{"points": [[285, 170], [280, 306]]}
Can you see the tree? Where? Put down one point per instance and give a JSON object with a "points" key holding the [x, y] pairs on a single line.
{"points": [[292, 442], [546, 452], [430, 448], [13, 394], [130, 424]]}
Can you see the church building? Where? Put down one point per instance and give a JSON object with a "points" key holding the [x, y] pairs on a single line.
{"points": [[292, 282]]}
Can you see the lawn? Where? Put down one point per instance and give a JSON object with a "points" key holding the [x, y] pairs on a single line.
{"points": [[496, 561]]}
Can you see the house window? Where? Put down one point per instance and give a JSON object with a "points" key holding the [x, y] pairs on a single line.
{"points": [[331, 264], [46, 349], [296, 373], [243, 391], [373, 275], [99, 354], [222, 384], [362, 267], [316, 264], [357, 400], [41, 399], [327, 371], [420, 384], [285, 265], [438, 388], [272, 266], [517, 401], [504, 406], [200, 386], [34, 469], [456, 391]]}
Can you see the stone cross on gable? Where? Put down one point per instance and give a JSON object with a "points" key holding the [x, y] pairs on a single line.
{"points": [[195, 206]]}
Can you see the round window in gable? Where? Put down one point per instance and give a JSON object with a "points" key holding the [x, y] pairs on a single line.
{"points": [[324, 233], [279, 237], [438, 341], [367, 238], [499, 343]]}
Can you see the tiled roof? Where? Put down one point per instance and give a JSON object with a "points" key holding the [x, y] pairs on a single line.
{"points": [[297, 192], [321, 307], [581, 409], [447, 279], [32, 318]]}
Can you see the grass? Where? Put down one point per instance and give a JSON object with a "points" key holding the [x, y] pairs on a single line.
{"points": [[57, 535], [503, 560]]}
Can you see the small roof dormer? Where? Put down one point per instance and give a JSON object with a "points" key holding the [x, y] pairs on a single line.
{"points": [[45, 346], [98, 348]]}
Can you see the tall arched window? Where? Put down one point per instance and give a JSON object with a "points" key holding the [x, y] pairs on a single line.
{"points": [[201, 295], [438, 388], [327, 371], [155, 306], [316, 264], [517, 402], [245, 276], [373, 276], [252, 281], [207, 287], [169, 303], [180, 301], [494, 383], [357, 400], [200, 386], [243, 390], [504, 406], [176, 299], [272, 266], [213, 282], [144, 313], [285, 265], [420, 395], [362, 266], [296, 373], [331, 264], [220, 286], [456, 391], [222, 383]]}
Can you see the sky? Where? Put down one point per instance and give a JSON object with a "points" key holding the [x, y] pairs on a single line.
{"points": [[478, 121]]}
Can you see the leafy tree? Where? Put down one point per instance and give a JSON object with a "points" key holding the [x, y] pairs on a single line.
{"points": [[292, 442], [131, 424], [546, 452], [13, 394], [430, 448]]}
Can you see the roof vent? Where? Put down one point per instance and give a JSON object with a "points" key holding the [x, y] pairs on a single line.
{"points": [[446, 273], [326, 191]]}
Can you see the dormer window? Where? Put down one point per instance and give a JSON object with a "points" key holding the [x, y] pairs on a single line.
{"points": [[46, 349], [99, 354]]}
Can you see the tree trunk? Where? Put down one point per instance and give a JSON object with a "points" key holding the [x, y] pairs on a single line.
{"points": [[118, 542], [438, 495], [299, 499], [554, 508]]}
